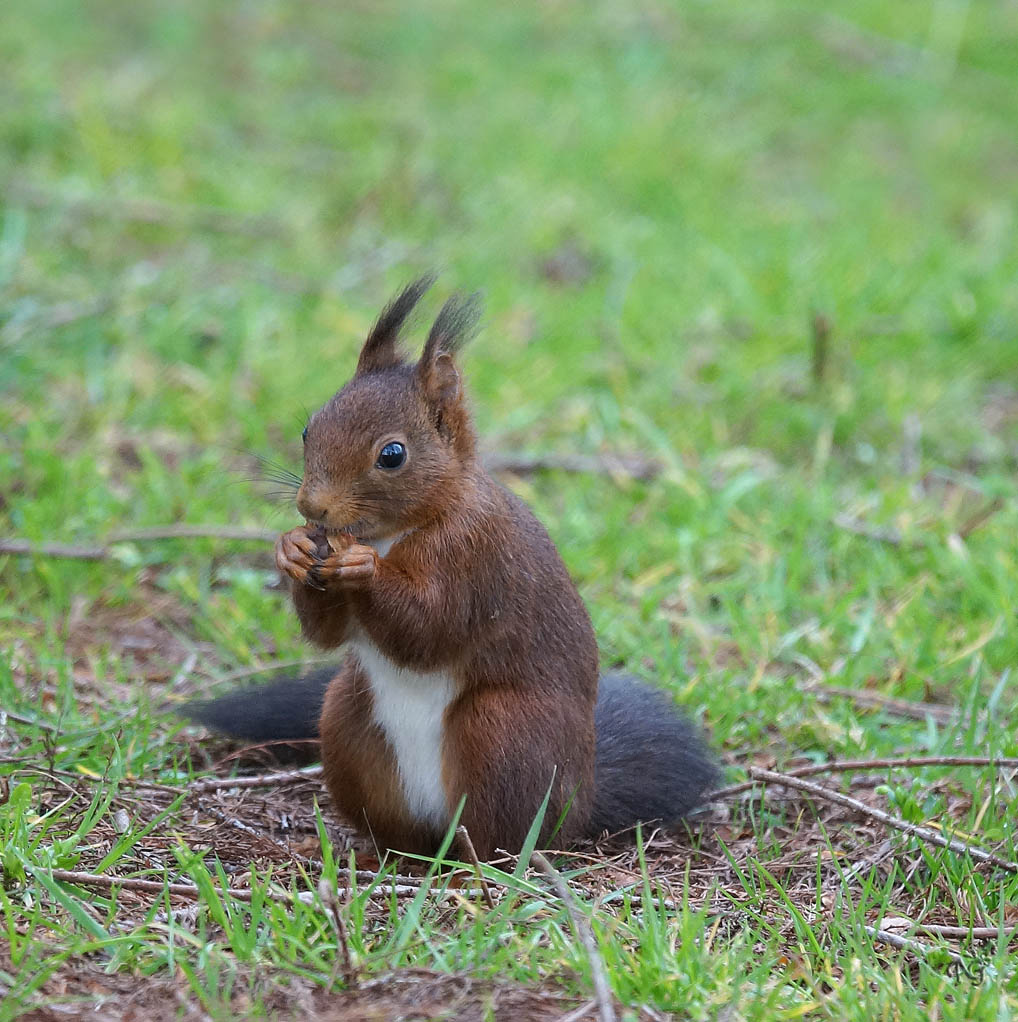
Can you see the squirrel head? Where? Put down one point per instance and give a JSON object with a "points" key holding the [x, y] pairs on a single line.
{"points": [[386, 453]]}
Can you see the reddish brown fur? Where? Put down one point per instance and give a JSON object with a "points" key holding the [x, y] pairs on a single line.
{"points": [[476, 589]]}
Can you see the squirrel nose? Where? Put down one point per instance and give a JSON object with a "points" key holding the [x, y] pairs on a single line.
{"points": [[309, 508]]}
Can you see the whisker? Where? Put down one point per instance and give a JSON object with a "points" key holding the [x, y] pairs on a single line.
{"points": [[274, 466], [284, 480]]}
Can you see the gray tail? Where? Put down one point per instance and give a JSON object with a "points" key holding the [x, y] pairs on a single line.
{"points": [[651, 763], [285, 709]]}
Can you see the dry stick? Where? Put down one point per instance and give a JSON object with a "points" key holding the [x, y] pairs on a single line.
{"points": [[79, 553], [194, 532], [860, 528], [630, 466], [961, 932], [577, 1013], [101, 553], [68, 876], [467, 845], [367, 877], [602, 992], [387, 890], [895, 538], [29, 721], [635, 900], [344, 963], [254, 781], [924, 833], [900, 707], [905, 944], [241, 894], [846, 765], [980, 518]]}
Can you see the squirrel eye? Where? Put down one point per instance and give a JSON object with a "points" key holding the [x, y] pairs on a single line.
{"points": [[392, 455], [304, 434]]}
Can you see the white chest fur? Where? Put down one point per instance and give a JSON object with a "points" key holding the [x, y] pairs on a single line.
{"points": [[409, 708], [383, 546]]}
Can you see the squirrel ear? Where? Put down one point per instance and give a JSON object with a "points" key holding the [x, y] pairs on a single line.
{"points": [[381, 349], [442, 379], [436, 369]]}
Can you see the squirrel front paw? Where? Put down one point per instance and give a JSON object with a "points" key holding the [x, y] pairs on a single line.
{"points": [[310, 558], [353, 566], [297, 554]]}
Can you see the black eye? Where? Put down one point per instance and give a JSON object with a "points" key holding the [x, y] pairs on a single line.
{"points": [[304, 434], [391, 455]]}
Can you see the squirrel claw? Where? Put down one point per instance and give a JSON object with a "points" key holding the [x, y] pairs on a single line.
{"points": [[355, 564], [295, 556]]}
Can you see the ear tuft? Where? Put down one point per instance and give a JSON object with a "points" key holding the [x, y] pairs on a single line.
{"points": [[436, 369], [381, 349], [453, 327]]}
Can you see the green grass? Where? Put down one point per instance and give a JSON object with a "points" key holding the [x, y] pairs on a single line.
{"points": [[203, 207]]}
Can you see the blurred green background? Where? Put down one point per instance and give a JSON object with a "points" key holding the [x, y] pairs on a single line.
{"points": [[770, 245]]}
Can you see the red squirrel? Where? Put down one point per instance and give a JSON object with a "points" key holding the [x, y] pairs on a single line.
{"points": [[471, 666]]}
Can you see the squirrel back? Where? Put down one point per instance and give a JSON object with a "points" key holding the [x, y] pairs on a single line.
{"points": [[471, 664]]}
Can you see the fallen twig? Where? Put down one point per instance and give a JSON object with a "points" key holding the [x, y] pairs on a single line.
{"points": [[899, 707], [974, 932], [980, 518], [344, 963], [630, 466], [636, 900], [463, 835], [108, 883], [893, 537], [233, 532], [579, 1012], [254, 780], [80, 553], [30, 721], [602, 991], [104, 552], [907, 944], [932, 837], [876, 532], [847, 765]]}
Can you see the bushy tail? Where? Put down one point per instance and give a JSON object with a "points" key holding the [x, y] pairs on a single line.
{"points": [[651, 763], [285, 709]]}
